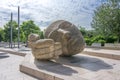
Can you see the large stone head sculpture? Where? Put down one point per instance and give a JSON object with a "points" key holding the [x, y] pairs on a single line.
{"points": [[68, 34]]}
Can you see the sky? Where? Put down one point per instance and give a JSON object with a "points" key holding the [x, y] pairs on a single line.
{"points": [[44, 12]]}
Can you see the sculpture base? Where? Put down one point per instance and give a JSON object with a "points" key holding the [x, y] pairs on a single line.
{"points": [[78, 67]]}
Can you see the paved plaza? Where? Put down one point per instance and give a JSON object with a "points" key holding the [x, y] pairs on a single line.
{"points": [[79, 67], [9, 67]]}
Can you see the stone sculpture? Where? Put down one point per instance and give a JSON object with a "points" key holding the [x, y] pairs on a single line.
{"points": [[44, 49], [68, 35]]}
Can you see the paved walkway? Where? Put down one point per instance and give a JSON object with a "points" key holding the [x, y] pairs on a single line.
{"points": [[9, 67]]}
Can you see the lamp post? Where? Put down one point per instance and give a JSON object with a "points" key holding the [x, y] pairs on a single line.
{"points": [[18, 26], [11, 30]]}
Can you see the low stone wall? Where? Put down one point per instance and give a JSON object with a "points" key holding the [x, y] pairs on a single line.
{"points": [[115, 46], [96, 45], [3, 44], [112, 45], [6, 44]]}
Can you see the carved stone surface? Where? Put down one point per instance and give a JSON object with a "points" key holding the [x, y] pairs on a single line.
{"points": [[68, 34], [44, 49]]}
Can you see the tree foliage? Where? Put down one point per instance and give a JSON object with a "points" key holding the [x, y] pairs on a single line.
{"points": [[87, 34], [2, 34], [7, 30], [41, 35], [106, 19], [91, 36], [28, 27]]}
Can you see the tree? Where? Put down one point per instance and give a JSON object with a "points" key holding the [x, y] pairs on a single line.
{"points": [[83, 30], [106, 19], [88, 35], [7, 30], [41, 35], [22, 36], [28, 27], [1, 34]]}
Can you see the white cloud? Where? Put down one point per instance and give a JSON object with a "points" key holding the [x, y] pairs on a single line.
{"points": [[43, 12]]}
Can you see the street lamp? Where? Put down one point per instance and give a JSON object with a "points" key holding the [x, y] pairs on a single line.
{"points": [[18, 26], [11, 34]]}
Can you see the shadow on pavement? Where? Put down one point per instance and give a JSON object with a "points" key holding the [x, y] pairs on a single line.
{"points": [[85, 62], [3, 55], [64, 65], [54, 67]]}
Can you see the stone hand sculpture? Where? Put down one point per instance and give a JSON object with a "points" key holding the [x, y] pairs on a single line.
{"points": [[44, 49], [68, 34]]}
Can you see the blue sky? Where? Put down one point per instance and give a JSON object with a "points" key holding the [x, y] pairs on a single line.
{"points": [[44, 12]]}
